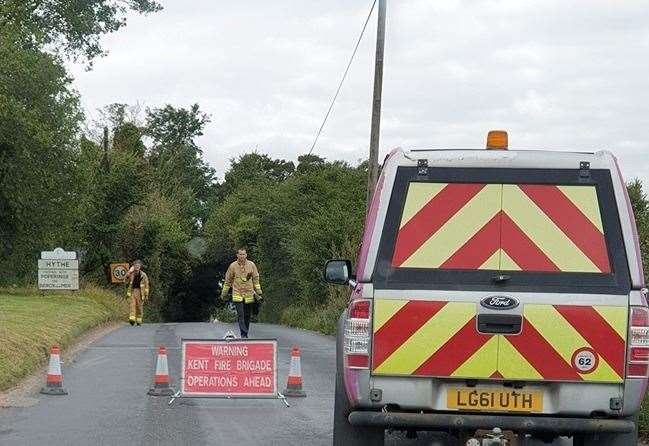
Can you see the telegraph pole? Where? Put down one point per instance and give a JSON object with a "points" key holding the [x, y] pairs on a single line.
{"points": [[373, 168]]}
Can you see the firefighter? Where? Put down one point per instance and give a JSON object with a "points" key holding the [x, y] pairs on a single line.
{"points": [[137, 292], [243, 277]]}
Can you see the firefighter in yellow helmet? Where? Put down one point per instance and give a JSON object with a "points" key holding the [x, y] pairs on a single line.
{"points": [[243, 277], [137, 291]]}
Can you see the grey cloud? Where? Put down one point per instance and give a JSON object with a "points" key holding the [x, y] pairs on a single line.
{"points": [[556, 74]]}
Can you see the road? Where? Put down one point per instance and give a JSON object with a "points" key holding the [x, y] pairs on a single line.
{"points": [[108, 402]]}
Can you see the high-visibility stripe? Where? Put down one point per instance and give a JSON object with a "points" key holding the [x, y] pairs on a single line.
{"points": [[522, 250], [478, 251], [617, 318], [430, 338], [401, 326], [431, 217], [483, 363], [543, 231], [54, 378], [599, 334], [456, 230], [384, 309], [294, 380], [572, 221], [161, 379], [566, 339], [493, 260], [541, 228], [507, 263], [426, 340], [513, 365], [585, 198], [541, 355], [460, 346], [418, 195]]}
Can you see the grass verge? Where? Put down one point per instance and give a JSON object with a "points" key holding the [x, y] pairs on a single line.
{"points": [[643, 420], [323, 318], [30, 323]]}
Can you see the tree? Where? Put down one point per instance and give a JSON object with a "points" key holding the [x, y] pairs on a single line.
{"points": [[176, 159], [254, 167], [39, 120], [70, 28], [291, 221], [641, 211], [150, 230]]}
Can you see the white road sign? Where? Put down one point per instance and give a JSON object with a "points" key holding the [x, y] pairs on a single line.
{"points": [[58, 270], [52, 279], [59, 254], [58, 264]]}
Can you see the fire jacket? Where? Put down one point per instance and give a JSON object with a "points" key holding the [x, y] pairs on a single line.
{"points": [[244, 280], [144, 284]]}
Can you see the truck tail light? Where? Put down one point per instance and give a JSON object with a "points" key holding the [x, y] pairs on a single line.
{"points": [[638, 356], [358, 334]]}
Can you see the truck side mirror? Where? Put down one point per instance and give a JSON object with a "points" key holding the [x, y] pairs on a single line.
{"points": [[338, 272]]}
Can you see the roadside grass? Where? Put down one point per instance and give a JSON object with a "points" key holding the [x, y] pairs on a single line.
{"points": [[30, 323], [643, 420], [323, 318]]}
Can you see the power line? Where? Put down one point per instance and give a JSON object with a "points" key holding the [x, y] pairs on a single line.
{"points": [[342, 81]]}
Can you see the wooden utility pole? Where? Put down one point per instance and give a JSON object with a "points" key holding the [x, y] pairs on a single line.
{"points": [[373, 168]]}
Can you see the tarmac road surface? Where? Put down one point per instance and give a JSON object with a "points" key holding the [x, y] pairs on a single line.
{"points": [[108, 402]]}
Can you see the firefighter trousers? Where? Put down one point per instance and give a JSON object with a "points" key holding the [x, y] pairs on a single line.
{"points": [[244, 311], [135, 302]]}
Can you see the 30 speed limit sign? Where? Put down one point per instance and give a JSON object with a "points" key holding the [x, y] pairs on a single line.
{"points": [[118, 272], [585, 360]]}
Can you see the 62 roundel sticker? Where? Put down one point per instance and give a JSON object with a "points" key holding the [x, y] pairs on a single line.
{"points": [[585, 360]]}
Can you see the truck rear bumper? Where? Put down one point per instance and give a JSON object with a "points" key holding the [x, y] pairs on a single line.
{"points": [[516, 423]]}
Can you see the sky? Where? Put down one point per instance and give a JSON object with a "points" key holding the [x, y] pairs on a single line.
{"points": [[556, 75]]}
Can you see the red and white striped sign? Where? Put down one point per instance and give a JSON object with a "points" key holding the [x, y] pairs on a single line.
{"points": [[229, 368]]}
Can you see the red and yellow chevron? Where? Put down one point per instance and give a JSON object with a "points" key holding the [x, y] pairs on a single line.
{"points": [[501, 227], [440, 339]]}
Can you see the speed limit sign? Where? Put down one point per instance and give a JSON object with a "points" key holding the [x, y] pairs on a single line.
{"points": [[585, 360], [118, 272]]}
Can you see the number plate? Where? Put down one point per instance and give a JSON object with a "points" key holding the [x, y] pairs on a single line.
{"points": [[495, 400]]}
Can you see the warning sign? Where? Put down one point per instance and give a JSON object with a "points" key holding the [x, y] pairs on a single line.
{"points": [[118, 272], [229, 368]]}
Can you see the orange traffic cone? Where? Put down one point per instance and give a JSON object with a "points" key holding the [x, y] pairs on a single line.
{"points": [[54, 379], [161, 385], [294, 381]]}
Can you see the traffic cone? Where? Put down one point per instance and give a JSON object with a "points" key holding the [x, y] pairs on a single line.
{"points": [[54, 379], [294, 381], [161, 385]]}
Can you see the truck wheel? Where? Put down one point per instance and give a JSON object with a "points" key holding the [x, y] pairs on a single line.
{"points": [[344, 433], [630, 439]]}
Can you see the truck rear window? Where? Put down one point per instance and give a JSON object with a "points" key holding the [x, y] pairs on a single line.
{"points": [[540, 228]]}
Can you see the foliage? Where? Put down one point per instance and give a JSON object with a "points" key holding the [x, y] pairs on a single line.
{"points": [[39, 119], [73, 28], [291, 223], [180, 171], [225, 314], [144, 204], [641, 211], [252, 168], [151, 231]]}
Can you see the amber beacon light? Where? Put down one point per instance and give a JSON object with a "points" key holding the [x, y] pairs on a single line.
{"points": [[497, 140]]}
